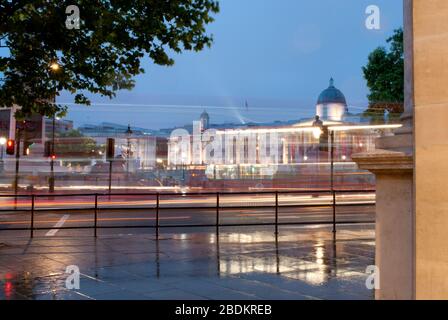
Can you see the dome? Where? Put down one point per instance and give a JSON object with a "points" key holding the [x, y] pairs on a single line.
{"points": [[331, 95], [204, 115], [205, 120]]}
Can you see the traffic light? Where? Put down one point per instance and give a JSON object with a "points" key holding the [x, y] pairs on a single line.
{"points": [[10, 147], [110, 148], [47, 149]]}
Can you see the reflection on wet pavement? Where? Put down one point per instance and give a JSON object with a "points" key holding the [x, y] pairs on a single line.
{"points": [[300, 263]]}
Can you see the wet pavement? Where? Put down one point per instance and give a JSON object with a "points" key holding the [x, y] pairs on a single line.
{"points": [[242, 263]]}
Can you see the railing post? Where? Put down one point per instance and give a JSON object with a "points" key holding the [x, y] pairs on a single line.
{"points": [[332, 179], [334, 210], [276, 212], [32, 216], [217, 212], [157, 213], [96, 213]]}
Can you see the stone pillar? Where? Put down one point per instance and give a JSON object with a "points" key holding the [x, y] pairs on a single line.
{"points": [[392, 164], [412, 169], [431, 147], [394, 230]]}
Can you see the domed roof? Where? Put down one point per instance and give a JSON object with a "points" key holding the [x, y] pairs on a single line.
{"points": [[204, 114], [331, 95]]}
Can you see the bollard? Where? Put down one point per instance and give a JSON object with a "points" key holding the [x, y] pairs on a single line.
{"points": [[32, 216]]}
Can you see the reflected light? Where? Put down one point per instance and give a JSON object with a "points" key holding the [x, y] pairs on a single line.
{"points": [[319, 255]]}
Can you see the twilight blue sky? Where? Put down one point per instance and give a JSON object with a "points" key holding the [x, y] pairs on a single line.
{"points": [[276, 54]]}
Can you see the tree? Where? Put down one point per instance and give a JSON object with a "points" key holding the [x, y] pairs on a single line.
{"points": [[101, 57], [75, 148], [385, 78]]}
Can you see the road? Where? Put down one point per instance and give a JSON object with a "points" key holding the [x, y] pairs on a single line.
{"points": [[170, 215], [182, 201]]}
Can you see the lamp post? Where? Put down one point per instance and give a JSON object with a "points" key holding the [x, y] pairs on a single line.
{"points": [[317, 133], [128, 152], [55, 68], [52, 155], [2, 144], [332, 177]]}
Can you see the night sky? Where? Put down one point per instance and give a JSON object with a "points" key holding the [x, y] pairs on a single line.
{"points": [[277, 55]]}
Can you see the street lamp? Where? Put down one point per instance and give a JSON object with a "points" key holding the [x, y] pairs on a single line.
{"points": [[128, 133], [54, 69], [331, 131], [54, 66], [318, 127], [2, 143], [52, 155], [319, 124]]}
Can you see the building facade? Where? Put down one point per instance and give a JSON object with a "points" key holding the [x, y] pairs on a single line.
{"points": [[275, 152]]}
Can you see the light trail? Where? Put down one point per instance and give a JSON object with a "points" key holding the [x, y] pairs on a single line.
{"points": [[99, 219], [225, 201]]}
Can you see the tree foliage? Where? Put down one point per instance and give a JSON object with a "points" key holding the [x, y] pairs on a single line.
{"points": [[73, 144], [384, 73], [100, 57]]}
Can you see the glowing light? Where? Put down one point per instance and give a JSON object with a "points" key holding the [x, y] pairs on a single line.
{"points": [[158, 160], [361, 127], [343, 157], [317, 132], [267, 130], [54, 66], [2, 141], [305, 158]]}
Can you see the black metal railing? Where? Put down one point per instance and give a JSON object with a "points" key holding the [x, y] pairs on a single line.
{"points": [[158, 207]]}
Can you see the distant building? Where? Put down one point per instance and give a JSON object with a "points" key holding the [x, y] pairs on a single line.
{"points": [[107, 129], [258, 151], [331, 104], [205, 120], [60, 126], [35, 128], [139, 146]]}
